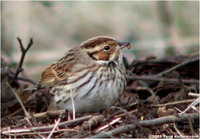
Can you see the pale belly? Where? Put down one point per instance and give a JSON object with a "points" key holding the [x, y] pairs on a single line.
{"points": [[94, 96]]}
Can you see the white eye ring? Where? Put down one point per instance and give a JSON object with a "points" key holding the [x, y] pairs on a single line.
{"points": [[107, 48]]}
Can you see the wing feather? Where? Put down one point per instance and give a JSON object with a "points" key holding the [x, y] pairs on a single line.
{"points": [[64, 70], [54, 75], [59, 72]]}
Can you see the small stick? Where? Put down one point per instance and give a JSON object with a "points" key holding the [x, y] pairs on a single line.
{"points": [[28, 120], [123, 114], [73, 106], [48, 113], [23, 79], [16, 131], [178, 109], [20, 102], [153, 78], [146, 123], [194, 103], [107, 125], [179, 132], [133, 118], [14, 113], [174, 103], [193, 94], [32, 133], [191, 59], [191, 127], [56, 125], [24, 51], [150, 90]]}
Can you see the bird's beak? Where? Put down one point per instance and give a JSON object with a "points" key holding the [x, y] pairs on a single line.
{"points": [[124, 44]]}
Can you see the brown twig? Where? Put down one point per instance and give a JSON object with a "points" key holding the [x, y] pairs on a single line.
{"points": [[123, 114], [24, 51], [48, 113], [178, 131], [20, 102], [147, 123], [14, 113], [191, 59], [191, 127], [56, 125], [153, 78], [133, 118], [104, 127], [150, 90], [23, 79], [19, 132], [193, 104], [193, 94], [174, 103], [94, 121], [48, 127]]}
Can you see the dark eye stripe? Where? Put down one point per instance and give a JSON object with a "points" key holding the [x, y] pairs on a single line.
{"points": [[91, 55]]}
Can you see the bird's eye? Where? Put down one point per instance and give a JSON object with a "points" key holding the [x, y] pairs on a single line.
{"points": [[107, 48]]}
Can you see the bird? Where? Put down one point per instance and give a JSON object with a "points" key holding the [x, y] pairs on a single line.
{"points": [[90, 78]]}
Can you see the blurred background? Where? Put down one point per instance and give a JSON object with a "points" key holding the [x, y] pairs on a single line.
{"points": [[158, 29]]}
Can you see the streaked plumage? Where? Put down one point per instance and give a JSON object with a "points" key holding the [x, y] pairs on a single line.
{"points": [[93, 72]]}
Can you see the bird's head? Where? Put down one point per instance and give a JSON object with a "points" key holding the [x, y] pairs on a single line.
{"points": [[103, 49]]}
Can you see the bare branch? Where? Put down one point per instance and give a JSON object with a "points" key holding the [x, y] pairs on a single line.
{"points": [[153, 78], [191, 59], [48, 127], [23, 79], [147, 123], [20, 102], [24, 51]]}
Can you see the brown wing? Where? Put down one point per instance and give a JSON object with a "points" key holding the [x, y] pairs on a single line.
{"points": [[54, 75], [60, 71]]}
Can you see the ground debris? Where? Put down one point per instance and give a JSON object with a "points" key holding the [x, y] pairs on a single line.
{"points": [[153, 105]]}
